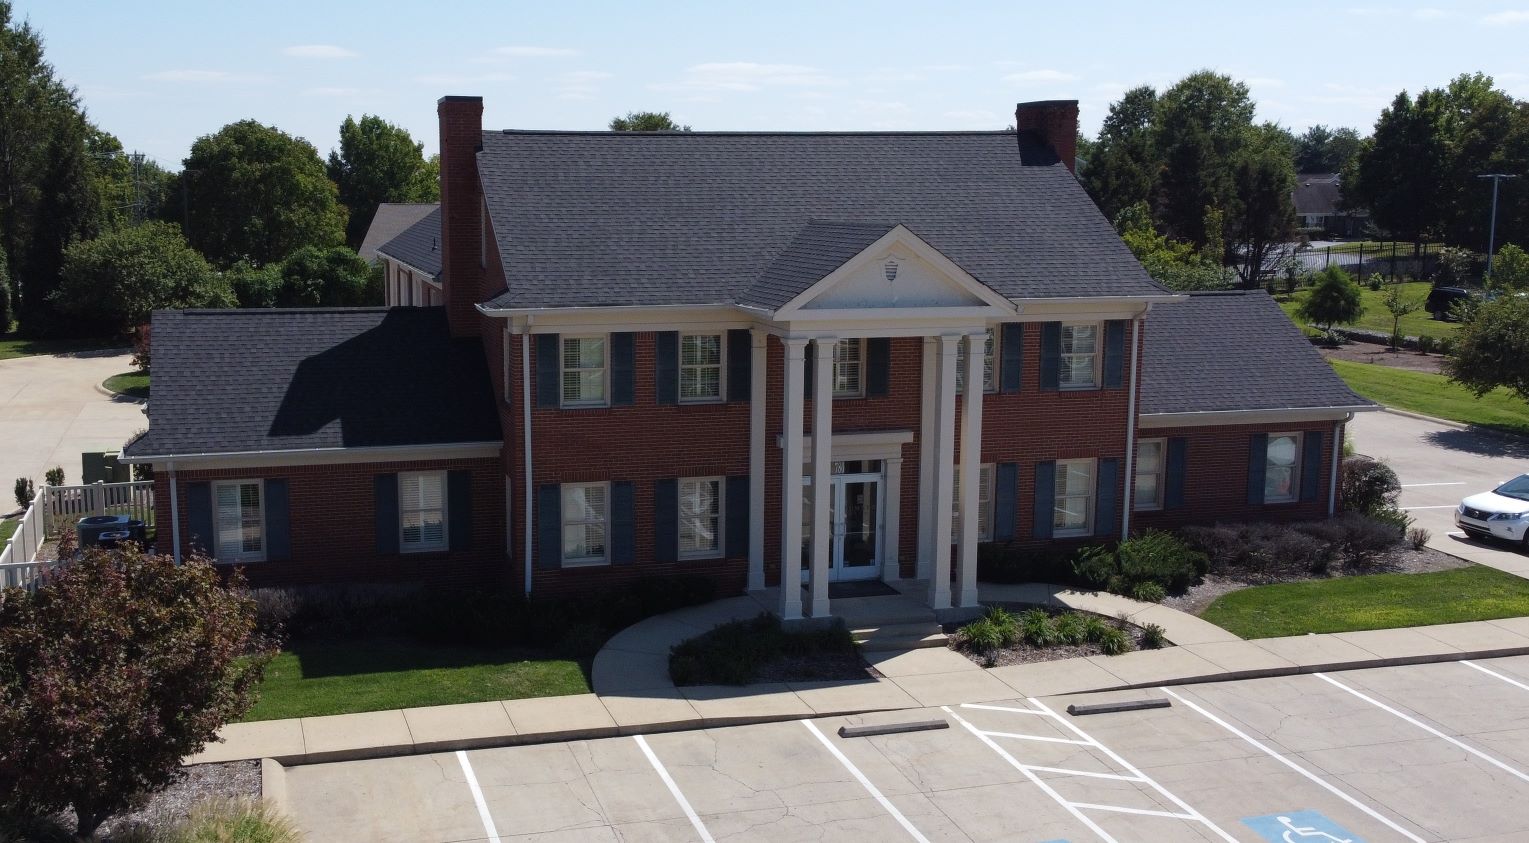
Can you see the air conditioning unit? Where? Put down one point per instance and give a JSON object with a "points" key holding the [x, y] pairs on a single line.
{"points": [[91, 527]]}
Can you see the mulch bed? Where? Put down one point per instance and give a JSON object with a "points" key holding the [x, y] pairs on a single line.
{"points": [[233, 779], [817, 667], [1402, 560], [1026, 654], [1381, 355]]}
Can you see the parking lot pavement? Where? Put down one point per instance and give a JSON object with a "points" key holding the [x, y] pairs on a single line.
{"points": [[53, 413], [1438, 465], [1419, 753]]}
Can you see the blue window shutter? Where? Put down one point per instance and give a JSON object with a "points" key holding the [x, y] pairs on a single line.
{"points": [[623, 523], [666, 366], [385, 501], [810, 355], [1011, 350], [1045, 498], [549, 526], [549, 391], [1106, 497], [278, 521], [737, 526], [459, 509], [1005, 500], [878, 365], [1258, 461], [1114, 352], [740, 363], [623, 362], [1173, 483], [199, 518], [666, 520], [1311, 464], [1051, 355]]}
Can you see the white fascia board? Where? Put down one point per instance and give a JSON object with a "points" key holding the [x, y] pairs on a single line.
{"points": [[427, 276], [324, 456], [1155, 421], [554, 320]]}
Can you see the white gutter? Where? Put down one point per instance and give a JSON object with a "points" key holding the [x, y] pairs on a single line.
{"points": [[525, 407], [175, 515], [1281, 414], [1125, 517], [380, 450], [1019, 305], [426, 274], [1332, 488]]}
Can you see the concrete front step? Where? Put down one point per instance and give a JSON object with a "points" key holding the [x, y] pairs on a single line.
{"points": [[900, 636]]}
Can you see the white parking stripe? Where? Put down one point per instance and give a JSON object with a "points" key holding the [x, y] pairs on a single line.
{"points": [[1420, 485], [1440, 506], [1121, 809], [866, 783], [674, 789], [1007, 708], [1042, 739], [472, 784], [1508, 679], [1084, 773], [1259, 745], [1427, 728]]}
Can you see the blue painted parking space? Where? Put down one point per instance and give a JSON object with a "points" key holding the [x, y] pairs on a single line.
{"points": [[1300, 827]]}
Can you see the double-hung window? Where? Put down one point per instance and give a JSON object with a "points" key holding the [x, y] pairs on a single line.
{"points": [[989, 354], [700, 367], [1073, 511], [700, 517], [241, 521], [584, 371], [1151, 456], [984, 505], [422, 511], [1079, 364], [586, 520], [849, 368], [1282, 468]]}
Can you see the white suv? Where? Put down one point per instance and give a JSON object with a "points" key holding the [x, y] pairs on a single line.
{"points": [[1501, 513]]}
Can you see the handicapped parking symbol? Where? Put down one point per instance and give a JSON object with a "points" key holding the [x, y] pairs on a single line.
{"points": [[1300, 827]]}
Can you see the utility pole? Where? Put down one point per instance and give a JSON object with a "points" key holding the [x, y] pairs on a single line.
{"points": [[1492, 228]]}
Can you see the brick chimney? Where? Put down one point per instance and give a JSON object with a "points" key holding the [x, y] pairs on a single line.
{"points": [[461, 120], [1056, 121]]}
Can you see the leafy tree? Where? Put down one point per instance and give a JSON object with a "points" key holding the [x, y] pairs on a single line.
{"points": [[1334, 300], [5, 295], [1175, 265], [1260, 216], [114, 282], [1323, 150], [128, 189], [1199, 127], [336, 277], [378, 162], [254, 192], [115, 669], [254, 286], [646, 121], [1510, 269], [1123, 165], [1399, 305], [1492, 348], [1484, 131]]}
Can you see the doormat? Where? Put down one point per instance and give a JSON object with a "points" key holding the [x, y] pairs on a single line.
{"points": [[862, 588]]}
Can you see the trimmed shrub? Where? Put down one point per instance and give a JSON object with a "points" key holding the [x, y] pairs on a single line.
{"points": [[1368, 486], [1153, 637], [1162, 558], [26, 492], [1037, 629], [1113, 641], [1222, 544], [734, 653], [1094, 566], [1418, 537], [1009, 563], [1447, 346], [54, 476], [1148, 592], [1071, 629], [1427, 344], [1095, 628]]}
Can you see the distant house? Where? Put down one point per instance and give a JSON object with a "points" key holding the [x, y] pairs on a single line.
{"points": [[1318, 201], [391, 220], [411, 263]]}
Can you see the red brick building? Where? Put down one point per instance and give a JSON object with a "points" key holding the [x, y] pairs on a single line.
{"points": [[776, 359]]}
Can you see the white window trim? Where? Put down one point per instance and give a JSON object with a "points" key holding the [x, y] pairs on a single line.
{"points": [[1162, 474], [987, 388], [605, 370], [421, 546], [1098, 357], [255, 556], [721, 395], [859, 391], [1088, 526], [1296, 470], [988, 508], [584, 561], [721, 518]]}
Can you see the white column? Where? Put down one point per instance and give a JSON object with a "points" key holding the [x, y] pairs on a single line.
{"points": [[822, 471], [927, 434], [944, 468], [891, 519], [971, 462], [758, 378], [791, 482]]}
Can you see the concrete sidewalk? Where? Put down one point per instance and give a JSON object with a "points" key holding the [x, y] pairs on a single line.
{"points": [[912, 680]]}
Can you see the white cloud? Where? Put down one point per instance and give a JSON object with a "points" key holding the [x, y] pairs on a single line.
{"points": [[745, 76], [1507, 17], [199, 76], [320, 51], [527, 51], [462, 79], [1038, 77], [580, 84]]}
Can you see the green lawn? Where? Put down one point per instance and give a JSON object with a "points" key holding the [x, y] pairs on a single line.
{"points": [[12, 345], [131, 384], [375, 674], [1377, 318], [1435, 395], [7, 529], [1377, 601]]}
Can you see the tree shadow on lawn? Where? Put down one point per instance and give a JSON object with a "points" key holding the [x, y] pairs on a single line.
{"points": [[1481, 440], [357, 656]]}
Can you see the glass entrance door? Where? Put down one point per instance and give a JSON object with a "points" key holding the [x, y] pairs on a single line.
{"points": [[854, 517]]}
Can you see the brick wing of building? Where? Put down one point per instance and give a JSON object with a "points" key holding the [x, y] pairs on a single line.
{"points": [[609, 355]]}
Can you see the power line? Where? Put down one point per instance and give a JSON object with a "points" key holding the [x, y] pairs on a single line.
{"points": [[1492, 228]]}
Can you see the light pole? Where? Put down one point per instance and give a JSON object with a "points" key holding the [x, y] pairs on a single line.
{"points": [[1492, 229]]}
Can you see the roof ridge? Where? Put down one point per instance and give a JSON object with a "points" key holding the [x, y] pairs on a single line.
{"points": [[749, 133], [241, 311]]}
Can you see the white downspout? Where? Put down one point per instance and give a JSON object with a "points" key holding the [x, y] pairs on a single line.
{"points": [[1125, 515], [175, 515], [525, 409], [1332, 487]]}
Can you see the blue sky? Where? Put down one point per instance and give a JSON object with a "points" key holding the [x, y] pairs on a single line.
{"points": [[159, 73]]}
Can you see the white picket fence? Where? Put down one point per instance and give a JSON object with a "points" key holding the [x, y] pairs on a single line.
{"points": [[57, 507]]}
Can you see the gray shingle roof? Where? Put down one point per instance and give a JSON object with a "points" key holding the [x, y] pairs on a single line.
{"points": [[1234, 351], [233, 381], [391, 220], [640, 218], [419, 245], [1316, 193], [818, 249]]}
